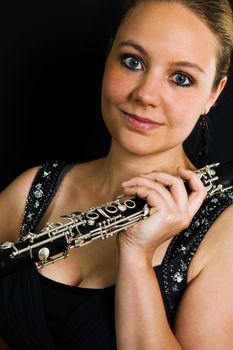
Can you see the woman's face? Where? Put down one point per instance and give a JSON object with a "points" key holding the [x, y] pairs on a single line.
{"points": [[158, 78]]}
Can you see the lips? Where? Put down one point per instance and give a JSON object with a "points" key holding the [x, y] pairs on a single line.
{"points": [[140, 123]]}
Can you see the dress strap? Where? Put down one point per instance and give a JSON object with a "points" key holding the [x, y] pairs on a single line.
{"points": [[184, 246], [41, 192]]}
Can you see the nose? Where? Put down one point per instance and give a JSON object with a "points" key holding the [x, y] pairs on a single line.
{"points": [[147, 91]]}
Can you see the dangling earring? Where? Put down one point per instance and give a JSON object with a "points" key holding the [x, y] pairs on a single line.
{"points": [[204, 140]]}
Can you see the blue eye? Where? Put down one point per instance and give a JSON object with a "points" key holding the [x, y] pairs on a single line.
{"points": [[182, 80], [132, 62]]}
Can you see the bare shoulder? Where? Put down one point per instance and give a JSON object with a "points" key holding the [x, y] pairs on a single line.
{"points": [[12, 203], [219, 240], [216, 245]]}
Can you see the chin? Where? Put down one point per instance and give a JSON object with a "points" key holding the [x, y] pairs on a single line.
{"points": [[139, 149]]}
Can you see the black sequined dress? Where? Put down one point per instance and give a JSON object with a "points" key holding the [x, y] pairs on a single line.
{"points": [[40, 314]]}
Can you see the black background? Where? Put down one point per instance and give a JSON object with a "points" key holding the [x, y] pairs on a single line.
{"points": [[51, 64]]}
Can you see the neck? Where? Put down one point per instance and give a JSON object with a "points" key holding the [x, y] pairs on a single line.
{"points": [[119, 166]]}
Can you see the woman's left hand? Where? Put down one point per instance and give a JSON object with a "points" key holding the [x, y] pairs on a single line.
{"points": [[171, 207]]}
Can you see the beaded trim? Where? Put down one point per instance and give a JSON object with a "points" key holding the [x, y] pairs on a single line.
{"points": [[40, 194], [183, 247]]}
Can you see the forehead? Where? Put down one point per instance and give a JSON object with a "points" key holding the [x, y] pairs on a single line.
{"points": [[170, 27]]}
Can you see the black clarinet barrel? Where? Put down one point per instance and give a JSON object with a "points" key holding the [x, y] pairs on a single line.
{"points": [[224, 172]]}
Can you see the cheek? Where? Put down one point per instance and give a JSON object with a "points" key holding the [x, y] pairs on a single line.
{"points": [[182, 118], [185, 111], [115, 87]]}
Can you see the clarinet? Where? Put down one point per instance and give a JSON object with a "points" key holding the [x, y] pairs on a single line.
{"points": [[56, 239]]}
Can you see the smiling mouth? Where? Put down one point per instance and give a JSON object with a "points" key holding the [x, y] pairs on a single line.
{"points": [[140, 123]]}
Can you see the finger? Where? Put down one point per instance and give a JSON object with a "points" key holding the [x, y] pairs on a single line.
{"points": [[174, 184], [164, 179], [198, 191], [169, 220], [151, 195], [160, 188]]}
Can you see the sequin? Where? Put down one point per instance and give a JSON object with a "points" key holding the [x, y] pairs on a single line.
{"points": [[46, 173], [183, 266], [175, 288], [178, 277], [30, 215], [182, 248], [38, 193], [36, 205], [188, 233]]}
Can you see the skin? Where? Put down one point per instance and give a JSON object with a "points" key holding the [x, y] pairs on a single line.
{"points": [[146, 161]]}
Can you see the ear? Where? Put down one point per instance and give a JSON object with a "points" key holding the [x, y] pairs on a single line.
{"points": [[215, 94]]}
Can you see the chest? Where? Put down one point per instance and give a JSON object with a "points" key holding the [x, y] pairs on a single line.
{"points": [[93, 265], [90, 266]]}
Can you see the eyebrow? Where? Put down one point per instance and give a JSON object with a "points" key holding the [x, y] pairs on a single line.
{"points": [[188, 65], [139, 48], [133, 44]]}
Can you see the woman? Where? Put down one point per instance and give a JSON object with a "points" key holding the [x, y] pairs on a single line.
{"points": [[172, 273]]}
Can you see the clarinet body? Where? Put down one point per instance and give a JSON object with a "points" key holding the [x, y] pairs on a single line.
{"points": [[56, 239]]}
